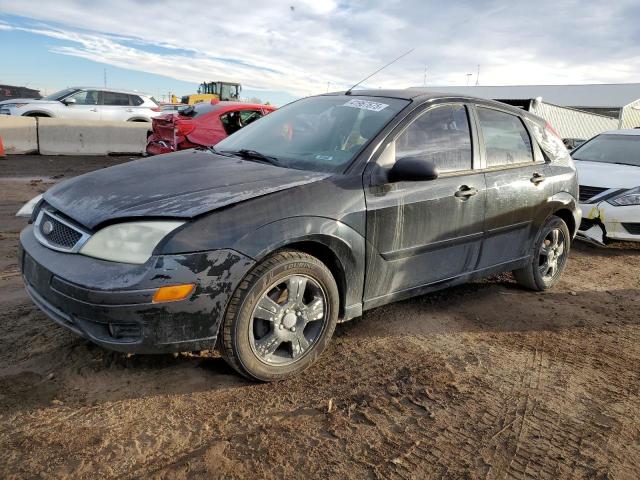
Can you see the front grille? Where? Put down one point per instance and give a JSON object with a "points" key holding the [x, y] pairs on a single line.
{"points": [[632, 228], [587, 193], [58, 233]]}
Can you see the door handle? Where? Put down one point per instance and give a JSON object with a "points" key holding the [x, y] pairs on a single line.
{"points": [[129, 109], [93, 110], [464, 192], [537, 178]]}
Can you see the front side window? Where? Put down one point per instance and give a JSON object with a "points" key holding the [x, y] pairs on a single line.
{"points": [[85, 97], [61, 94], [441, 135], [232, 122], [135, 100], [506, 140], [323, 133], [115, 99]]}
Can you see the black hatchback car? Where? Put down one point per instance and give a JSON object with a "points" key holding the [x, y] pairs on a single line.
{"points": [[330, 206]]}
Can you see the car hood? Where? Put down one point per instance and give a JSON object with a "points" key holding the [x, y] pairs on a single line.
{"points": [[27, 100], [607, 175], [176, 185]]}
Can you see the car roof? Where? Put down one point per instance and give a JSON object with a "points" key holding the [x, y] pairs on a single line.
{"points": [[114, 90], [631, 131], [420, 95]]}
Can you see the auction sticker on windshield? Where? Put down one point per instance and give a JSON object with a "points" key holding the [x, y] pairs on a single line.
{"points": [[366, 105]]}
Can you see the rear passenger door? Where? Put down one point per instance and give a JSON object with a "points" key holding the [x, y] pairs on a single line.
{"points": [[115, 106], [515, 171], [423, 232], [86, 106]]}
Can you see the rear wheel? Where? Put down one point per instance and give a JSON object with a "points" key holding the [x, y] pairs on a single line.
{"points": [[549, 256], [280, 318]]}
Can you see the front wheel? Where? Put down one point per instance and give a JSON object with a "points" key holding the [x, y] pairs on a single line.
{"points": [[280, 318], [549, 256]]}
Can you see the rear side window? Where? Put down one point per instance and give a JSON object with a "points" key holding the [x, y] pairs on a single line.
{"points": [[115, 99], [506, 140], [135, 100], [549, 140], [440, 135]]}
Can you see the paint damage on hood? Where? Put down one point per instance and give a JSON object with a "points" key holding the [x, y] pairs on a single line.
{"points": [[178, 185]]}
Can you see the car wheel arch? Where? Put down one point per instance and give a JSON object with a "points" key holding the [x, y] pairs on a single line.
{"points": [[337, 245], [38, 114], [568, 218], [564, 205]]}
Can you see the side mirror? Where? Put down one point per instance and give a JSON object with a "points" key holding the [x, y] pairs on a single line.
{"points": [[413, 169], [69, 101]]}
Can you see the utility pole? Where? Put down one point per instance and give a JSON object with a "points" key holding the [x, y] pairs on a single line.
{"points": [[105, 78], [424, 81], [478, 76], [328, 85], [468, 77]]}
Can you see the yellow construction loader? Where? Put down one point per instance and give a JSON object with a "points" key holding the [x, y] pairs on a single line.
{"points": [[208, 91]]}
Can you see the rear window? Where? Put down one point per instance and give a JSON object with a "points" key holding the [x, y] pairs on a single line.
{"points": [[622, 149], [199, 109]]}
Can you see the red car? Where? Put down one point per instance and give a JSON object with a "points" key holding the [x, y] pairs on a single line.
{"points": [[201, 125]]}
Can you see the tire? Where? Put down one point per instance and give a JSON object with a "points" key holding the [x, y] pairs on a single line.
{"points": [[269, 333], [546, 256]]}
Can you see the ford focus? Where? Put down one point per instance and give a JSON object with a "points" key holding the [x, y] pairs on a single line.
{"points": [[325, 208]]}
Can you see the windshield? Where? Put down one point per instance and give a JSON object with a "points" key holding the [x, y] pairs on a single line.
{"points": [[321, 133], [61, 94], [623, 149]]}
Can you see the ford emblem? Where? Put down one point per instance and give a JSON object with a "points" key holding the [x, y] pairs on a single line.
{"points": [[47, 227]]}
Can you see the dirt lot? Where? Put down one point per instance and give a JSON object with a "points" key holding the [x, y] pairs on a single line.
{"points": [[481, 381]]}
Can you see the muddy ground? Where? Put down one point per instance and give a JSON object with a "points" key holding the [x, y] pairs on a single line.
{"points": [[485, 380]]}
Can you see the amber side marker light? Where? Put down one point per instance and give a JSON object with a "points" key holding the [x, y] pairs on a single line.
{"points": [[173, 293]]}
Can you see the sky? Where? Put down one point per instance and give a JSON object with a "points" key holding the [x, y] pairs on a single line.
{"points": [[282, 50]]}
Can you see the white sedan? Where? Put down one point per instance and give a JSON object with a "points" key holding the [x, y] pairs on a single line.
{"points": [[609, 175]]}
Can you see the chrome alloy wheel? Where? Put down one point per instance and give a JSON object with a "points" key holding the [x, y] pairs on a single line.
{"points": [[552, 254], [287, 320]]}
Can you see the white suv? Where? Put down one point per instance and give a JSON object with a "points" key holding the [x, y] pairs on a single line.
{"points": [[86, 103]]}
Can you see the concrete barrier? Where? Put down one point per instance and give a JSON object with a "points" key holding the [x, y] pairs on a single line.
{"points": [[19, 134], [91, 137]]}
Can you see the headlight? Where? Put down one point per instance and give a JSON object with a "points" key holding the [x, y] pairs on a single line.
{"points": [[630, 197], [128, 242], [27, 209]]}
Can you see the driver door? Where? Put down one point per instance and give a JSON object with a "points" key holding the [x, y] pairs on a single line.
{"points": [[423, 232], [86, 106]]}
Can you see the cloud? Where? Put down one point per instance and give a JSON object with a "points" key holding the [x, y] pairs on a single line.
{"points": [[302, 46]]}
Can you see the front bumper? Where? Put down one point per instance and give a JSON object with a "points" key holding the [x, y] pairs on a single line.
{"points": [[111, 304], [603, 222]]}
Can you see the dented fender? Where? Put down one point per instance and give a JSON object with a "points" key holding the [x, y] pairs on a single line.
{"points": [[346, 244]]}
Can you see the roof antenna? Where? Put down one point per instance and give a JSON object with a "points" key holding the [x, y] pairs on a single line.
{"points": [[348, 92]]}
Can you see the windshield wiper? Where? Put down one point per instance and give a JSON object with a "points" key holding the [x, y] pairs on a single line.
{"points": [[218, 152], [255, 155]]}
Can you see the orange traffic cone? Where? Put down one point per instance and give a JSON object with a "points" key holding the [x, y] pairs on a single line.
{"points": [[1, 148]]}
